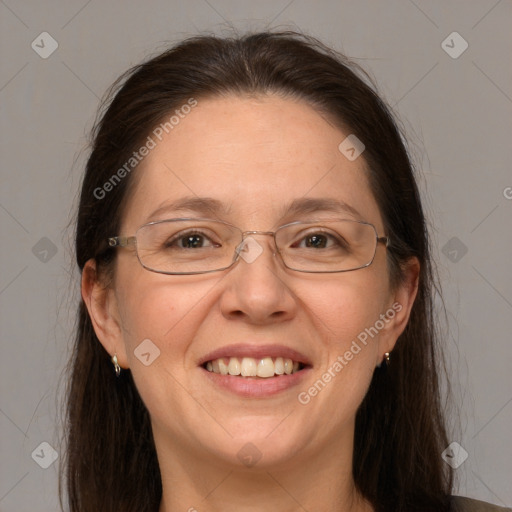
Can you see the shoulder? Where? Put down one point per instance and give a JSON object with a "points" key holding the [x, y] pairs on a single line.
{"points": [[462, 504]]}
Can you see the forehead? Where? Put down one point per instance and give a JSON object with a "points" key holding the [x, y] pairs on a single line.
{"points": [[254, 155]]}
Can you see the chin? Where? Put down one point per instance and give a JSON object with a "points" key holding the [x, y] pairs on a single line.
{"points": [[263, 448]]}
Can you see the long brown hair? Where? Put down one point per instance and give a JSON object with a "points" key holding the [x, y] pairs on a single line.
{"points": [[400, 432]]}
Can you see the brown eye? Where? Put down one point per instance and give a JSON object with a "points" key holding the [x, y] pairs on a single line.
{"points": [[316, 241], [190, 240], [321, 240]]}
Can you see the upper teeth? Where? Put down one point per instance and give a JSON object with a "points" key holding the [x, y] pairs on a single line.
{"points": [[250, 367]]}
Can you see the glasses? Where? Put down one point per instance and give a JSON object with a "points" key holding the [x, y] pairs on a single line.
{"points": [[200, 246]]}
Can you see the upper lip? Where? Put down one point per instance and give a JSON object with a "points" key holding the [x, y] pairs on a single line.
{"points": [[255, 351]]}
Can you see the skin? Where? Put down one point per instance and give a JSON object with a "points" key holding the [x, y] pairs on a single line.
{"points": [[255, 155]]}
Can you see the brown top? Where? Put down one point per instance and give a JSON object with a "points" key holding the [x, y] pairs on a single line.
{"points": [[461, 504]]}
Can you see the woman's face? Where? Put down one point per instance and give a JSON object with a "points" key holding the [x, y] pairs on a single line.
{"points": [[255, 157]]}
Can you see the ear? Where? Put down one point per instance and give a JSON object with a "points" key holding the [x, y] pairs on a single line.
{"points": [[399, 310], [101, 304]]}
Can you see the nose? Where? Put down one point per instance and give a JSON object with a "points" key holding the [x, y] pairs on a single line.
{"points": [[257, 290]]}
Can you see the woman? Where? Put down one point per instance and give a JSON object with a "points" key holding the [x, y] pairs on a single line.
{"points": [[256, 330]]}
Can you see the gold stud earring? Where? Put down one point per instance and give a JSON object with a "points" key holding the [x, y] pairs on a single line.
{"points": [[386, 359], [117, 368]]}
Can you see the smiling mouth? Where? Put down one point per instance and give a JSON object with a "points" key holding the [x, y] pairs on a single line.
{"points": [[264, 367]]}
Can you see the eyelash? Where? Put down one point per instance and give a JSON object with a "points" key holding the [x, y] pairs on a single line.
{"points": [[183, 235]]}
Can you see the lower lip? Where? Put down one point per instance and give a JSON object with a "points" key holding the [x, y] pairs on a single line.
{"points": [[256, 387]]}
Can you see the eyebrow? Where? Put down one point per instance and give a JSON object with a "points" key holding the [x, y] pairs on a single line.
{"points": [[306, 205], [208, 206], [202, 205]]}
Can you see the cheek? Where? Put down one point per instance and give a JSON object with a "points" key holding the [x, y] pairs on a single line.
{"points": [[148, 310], [347, 304], [344, 310], [145, 312], [166, 310], [159, 320]]}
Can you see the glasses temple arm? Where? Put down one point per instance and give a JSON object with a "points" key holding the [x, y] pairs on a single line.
{"points": [[384, 240], [121, 241]]}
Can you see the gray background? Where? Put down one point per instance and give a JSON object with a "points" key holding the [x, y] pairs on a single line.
{"points": [[456, 111]]}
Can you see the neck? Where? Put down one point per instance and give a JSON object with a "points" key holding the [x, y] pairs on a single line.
{"points": [[320, 480]]}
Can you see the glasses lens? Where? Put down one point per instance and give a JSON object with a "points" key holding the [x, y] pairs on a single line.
{"points": [[190, 246], [327, 246], [187, 246]]}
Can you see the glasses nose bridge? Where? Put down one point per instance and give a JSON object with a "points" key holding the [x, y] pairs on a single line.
{"points": [[268, 233]]}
